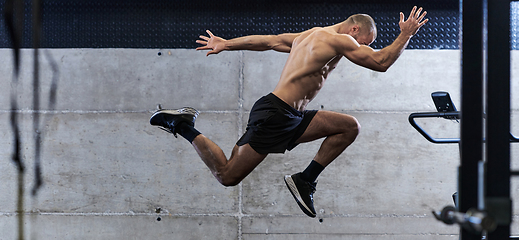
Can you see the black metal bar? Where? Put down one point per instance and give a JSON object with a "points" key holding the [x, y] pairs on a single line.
{"points": [[447, 115], [471, 132], [498, 117], [433, 115], [513, 138]]}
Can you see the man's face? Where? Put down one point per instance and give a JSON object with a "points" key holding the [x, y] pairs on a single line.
{"points": [[364, 38]]}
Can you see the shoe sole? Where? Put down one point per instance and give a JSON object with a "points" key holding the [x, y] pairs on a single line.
{"points": [[181, 111], [295, 193], [185, 110]]}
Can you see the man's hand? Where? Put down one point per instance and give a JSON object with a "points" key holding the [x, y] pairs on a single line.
{"points": [[216, 44], [413, 23]]}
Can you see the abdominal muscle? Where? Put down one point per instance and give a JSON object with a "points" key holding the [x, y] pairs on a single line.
{"points": [[299, 92]]}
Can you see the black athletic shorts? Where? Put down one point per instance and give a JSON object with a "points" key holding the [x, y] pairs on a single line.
{"points": [[274, 126]]}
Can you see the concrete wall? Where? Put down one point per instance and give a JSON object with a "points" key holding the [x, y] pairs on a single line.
{"points": [[107, 172]]}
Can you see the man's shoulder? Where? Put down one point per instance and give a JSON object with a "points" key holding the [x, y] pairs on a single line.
{"points": [[330, 32], [332, 37], [328, 36], [318, 33]]}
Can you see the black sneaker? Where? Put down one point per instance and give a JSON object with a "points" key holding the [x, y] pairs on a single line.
{"points": [[167, 120], [303, 192]]}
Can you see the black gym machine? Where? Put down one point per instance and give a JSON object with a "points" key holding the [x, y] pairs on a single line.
{"points": [[475, 220], [484, 205]]}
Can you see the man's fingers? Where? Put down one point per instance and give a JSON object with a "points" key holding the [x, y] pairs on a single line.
{"points": [[417, 14], [412, 12], [421, 17], [203, 48], [201, 42], [415, 20], [207, 40], [424, 22]]}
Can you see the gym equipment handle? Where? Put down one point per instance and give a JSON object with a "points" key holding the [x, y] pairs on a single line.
{"points": [[448, 115]]}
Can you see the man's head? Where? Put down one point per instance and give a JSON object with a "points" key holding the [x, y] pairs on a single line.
{"points": [[362, 28]]}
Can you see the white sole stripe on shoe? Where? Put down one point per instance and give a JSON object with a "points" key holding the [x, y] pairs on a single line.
{"points": [[293, 188], [177, 112], [172, 112], [185, 110]]}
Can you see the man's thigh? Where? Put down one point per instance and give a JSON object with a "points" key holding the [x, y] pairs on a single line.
{"points": [[327, 123]]}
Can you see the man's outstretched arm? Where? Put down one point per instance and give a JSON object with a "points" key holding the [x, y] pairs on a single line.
{"points": [[383, 59], [280, 43]]}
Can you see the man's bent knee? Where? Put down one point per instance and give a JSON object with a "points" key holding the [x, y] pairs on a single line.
{"points": [[358, 127], [227, 181], [228, 178], [243, 160], [351, 129], [354, 126]]}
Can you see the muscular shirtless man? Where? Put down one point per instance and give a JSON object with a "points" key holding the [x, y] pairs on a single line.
{"points": [[279, 121]]}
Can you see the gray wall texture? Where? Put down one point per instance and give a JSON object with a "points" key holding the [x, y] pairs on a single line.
{"points": [[108, 174]]}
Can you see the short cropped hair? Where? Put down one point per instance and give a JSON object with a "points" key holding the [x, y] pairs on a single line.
{"points": [[364, 21]]}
